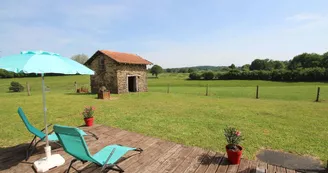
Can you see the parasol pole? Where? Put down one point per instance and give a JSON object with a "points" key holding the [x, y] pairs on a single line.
{"points": [[45, 116]]}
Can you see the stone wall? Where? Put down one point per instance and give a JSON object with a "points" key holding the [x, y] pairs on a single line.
{"points": [[140, 71], [106, 77]]}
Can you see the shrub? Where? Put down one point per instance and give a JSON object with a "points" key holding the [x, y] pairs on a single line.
{"points": [[194, 76], [16, 87], [208, 75], [218, 75]]}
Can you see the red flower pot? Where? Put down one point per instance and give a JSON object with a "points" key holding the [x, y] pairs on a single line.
{"points": [[88, 121], [234, 156]]}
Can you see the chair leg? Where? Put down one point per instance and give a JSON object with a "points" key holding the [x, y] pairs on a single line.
{"points": [[119, 169], [34, 147], [70, 165], [139, 149], [111, 166], [28, 149]]}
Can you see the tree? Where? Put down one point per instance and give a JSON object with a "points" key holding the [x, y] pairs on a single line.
{"points": [[306, 60], [257, 64], [208, 75], [81, 58], [232, 66], [156, 69], [278, 65], [191, 70], [194, 76], [325, 60], [262, 64], [182, 70], [245, 67]]}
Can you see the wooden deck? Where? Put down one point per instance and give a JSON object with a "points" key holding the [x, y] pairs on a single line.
{"points": [[159, 156]]}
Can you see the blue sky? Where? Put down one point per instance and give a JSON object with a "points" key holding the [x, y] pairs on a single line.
{"points": [[171, 33]]}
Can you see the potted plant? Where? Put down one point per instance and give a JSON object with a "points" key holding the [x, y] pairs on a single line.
{"points": [[88, 115], [103, 93], [83, 89], [234, 150]]}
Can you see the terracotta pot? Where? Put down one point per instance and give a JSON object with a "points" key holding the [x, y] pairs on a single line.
{"points": [[104, 95], [88, 121], [234, 156]]}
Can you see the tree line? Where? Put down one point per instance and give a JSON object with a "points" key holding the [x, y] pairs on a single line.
{"points": [[303, 67]]}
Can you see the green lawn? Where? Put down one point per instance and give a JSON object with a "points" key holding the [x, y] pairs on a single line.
{"points": [[285, 118]]}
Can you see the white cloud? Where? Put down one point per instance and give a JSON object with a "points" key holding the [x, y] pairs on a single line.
{"points": [[305, 17]]}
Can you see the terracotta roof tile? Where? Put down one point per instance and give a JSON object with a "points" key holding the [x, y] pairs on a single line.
{"points": [[125, 57]]}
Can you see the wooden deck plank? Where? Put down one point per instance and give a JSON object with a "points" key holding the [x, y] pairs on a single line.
{"points": [[206, 162], [280, 170], [174, 161], [262, 165], [290, 171], [156, 163], [271, 169], [215, 163], [232, 168], [149, 155], [243, 166], [252, 166], [224, 164], [184, 165], [195, 163]]}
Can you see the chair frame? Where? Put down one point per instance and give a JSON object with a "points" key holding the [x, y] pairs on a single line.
{"points": [[33, 144], [104, 167], [30, 149]]}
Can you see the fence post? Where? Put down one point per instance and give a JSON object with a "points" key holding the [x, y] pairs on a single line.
{"points": [[207, 90], [257, 92], [318, 94], [168, 88], [75, 84], [28, 89]]}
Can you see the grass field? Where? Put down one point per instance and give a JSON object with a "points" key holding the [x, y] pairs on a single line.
{"points": [[285, 118]]}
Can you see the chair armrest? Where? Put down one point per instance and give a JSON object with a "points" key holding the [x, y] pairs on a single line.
{"points": [[45, 128]]}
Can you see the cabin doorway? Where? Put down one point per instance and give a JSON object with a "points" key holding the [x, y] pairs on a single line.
{"points": [[132, 83]]}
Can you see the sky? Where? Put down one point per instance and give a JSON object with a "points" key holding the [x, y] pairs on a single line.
{"points": [[170, 33]]}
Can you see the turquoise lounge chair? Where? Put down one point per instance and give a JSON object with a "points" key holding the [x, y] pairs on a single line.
{"points": [[74, 144], [40, 134]]}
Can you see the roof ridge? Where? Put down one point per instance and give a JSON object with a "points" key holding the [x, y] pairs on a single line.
{"points": [[121, 52], [122, 57]]}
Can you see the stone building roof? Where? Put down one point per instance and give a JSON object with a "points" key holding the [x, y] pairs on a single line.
{"points": [[121, 57]]}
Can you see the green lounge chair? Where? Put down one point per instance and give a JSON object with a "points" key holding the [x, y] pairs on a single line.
{"points": [[74, 144], [40, 134]]}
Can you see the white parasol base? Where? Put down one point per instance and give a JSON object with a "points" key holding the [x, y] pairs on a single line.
{"points": [[48, 162]]}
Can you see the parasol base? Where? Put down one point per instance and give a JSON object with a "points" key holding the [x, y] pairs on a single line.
{"points": [[46, 163]]}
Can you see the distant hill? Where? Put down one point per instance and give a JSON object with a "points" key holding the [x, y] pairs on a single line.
{"points": [[196, 68]]}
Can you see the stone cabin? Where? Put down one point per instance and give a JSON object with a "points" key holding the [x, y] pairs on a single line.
{"points": [[118, 72]]}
